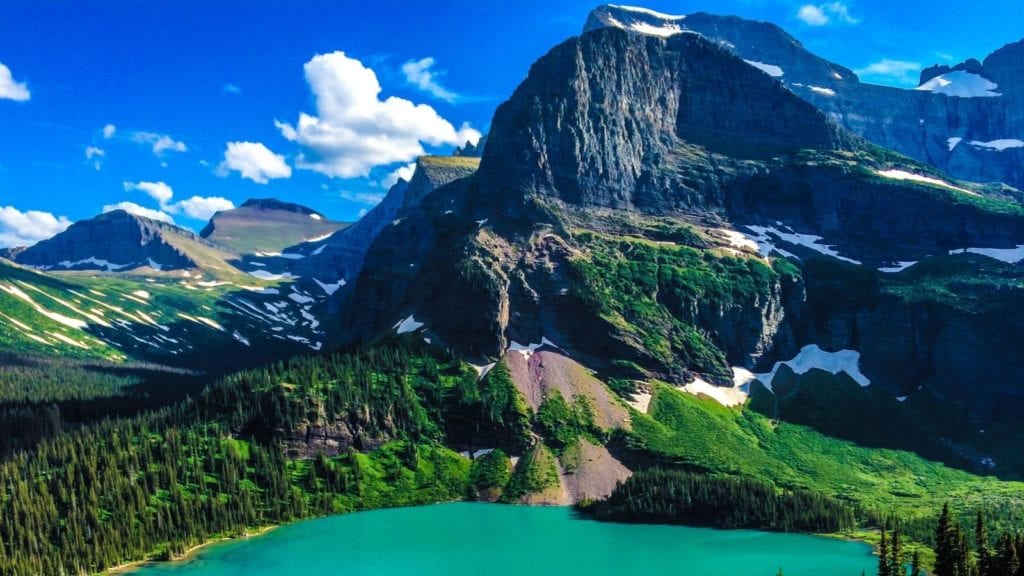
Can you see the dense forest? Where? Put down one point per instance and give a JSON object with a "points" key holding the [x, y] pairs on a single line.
{"points": [[218, 464], [680, 497]]}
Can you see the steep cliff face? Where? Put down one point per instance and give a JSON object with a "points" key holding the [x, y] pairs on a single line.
{"points": [[611, 119], [113, 241]]}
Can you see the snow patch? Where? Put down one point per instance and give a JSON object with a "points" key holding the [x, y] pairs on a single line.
{"points": [[899, 267], [482, 370], [299, 298], [141, 294], [1008, 255], [641, 401], [266, 275], [527, 350], [316, 217], [823, 91], [769, 69], [961, 84], [811, 356], [999, 145], [59, 318], [320, 238], [330, 289], [105, 264], [763, 237], [237, 336], [952, 142], [728, 397], [409, 324], [904, 175]]}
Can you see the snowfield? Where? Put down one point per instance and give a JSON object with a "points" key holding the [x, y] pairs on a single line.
{"points": [[961, 84], [812, 356]]}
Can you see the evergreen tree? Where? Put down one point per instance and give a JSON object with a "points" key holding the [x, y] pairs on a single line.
{"points": [[915, 563], [883, 554], [896, 552], [982, 546], [945, 561]]}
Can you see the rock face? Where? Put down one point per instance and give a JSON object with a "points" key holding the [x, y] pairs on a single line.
{"points": [[342, 255], [113, 241], [267, 225], [604, 120], [965, 136]]}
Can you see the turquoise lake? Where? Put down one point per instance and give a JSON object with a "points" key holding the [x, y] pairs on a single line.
{"points": [[496, 540]]}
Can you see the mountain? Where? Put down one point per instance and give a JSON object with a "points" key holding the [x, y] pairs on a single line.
{"points": [[267, 226], [119, 241], [339, 259], [636, 213], [968, 123]]}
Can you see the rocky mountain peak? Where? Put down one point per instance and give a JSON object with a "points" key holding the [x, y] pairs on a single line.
{"points": [[615, 119]]}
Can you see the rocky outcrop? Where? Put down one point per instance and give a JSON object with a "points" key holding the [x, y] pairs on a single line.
{"points": [[112, 241]]}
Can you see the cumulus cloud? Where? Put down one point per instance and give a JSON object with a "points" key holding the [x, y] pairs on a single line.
{"points": [[231, 88], [402, 172], [19, 228], [419, 73], [109, 130], [367, 198], [158, 191], [822, 14], [202, 208], [133, 208], [899, 70], [354, 130], [198, 207], [11, 90], [160, 142], [254, 161]]}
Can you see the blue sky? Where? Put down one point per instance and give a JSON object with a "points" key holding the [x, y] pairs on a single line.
{"points": [[185, 107]]}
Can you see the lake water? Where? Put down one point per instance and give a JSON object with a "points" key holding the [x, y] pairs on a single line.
{"points": [[496, 540]]}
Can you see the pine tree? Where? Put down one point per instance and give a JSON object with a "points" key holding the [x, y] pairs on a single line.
{"points": [[945, 561], [981, 543], [896, 552], [883, 554], [915, 563]]}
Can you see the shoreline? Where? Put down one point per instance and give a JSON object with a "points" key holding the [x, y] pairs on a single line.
{"points": [[130, 567]]}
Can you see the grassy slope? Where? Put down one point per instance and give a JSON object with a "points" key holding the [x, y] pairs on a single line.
{"points": [[701, 433]]}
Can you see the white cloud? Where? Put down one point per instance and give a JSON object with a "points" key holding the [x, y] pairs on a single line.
{"points": [[362, 212], [900, 70], [109, 130], [419, 73], [367, 198], [354, 130], [133, 208], [97, 153], [202, 208], [254, 161], [11, 90], [198, 207], [19, 228], [158, 191], [404, 172], [822, 14], [231, 88], [160, 142]]}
